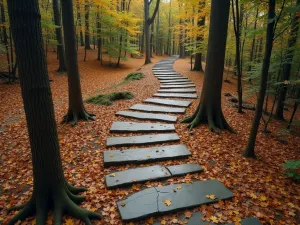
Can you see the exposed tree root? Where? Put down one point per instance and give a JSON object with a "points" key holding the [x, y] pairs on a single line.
{"points": [[61, 70], [73, 117], [62, 201], [214, 118]]}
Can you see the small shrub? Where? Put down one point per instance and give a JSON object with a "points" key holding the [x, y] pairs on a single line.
{"points": [[108, 99], [134, 76], [292, 169]]}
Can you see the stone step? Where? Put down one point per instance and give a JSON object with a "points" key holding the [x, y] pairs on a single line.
{"points": [[130, 127], [145, 155], [168, 102], [176, 95], [157, 109], [138, 175], [171, 78], [147, 116], [162, 200], [166, 73], [182, 80], [177, 86], [179, 83], [191, 90], [141, 140]]}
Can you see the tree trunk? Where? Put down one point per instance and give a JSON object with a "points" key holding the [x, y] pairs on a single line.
{"points": [[168, 51], [181, 41], [253, 41], [152, 40], [99, 41], [209, 109], [76, 109], [142, 41], [250, 149], [79, 23], [50, 189], [287, 66], [158, 52], [59, 37], [87, 24]]}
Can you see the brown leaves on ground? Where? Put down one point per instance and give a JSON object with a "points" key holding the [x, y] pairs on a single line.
{"points": [[259, 186]]}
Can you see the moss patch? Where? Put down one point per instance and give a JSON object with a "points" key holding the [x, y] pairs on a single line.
{"points": [[134, 76], [108, 99]]}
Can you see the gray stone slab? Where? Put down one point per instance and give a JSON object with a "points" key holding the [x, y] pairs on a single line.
{"points": [[169, 76], [179, 83], [138, 175], [159, 109], [141, 140], [175, 81], [130, 127], [172, 78], [191, 90], [196, 220], [145, 155], [176, 95], [168, 102], [147, 116], [179, 170], [151, 201], [166, 73], [177, 86]]}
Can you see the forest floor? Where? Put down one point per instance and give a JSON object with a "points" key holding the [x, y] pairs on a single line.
{"points": [[259, 186]]}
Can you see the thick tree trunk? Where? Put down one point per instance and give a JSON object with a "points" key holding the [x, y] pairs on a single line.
{"points": [[198, 62], [158, 48], [250, 150], [99, 40], [60, 47], [253, 41], [87, 24], [209, 109], [152, 40], [287, 66], [79, 23], [168, 51], [50, 189], [76, 109]]}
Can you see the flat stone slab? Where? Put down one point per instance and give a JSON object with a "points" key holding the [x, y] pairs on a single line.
{"points": [[177, 86], [168, 102], [138, 175], [166, 73], [130, 127], [175, 81], [145, 155], [176, 95], [131, 176], [162, 200], [183, 169], [159, 109], [169, 76], [196, 219], [172, 78], [180, 83], [141, 140], [147, 116], [192, 90]]}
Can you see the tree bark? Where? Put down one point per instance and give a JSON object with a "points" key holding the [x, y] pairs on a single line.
{"points": [[181, 41], [99, 40], [79, 23], [87, 24], [50, 188], [287, 66], [76, 109], [209, 109], [253, 41], [58, 30], [250, 149]]}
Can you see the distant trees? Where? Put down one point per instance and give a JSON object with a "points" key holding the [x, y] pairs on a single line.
{"points": [[209, 109], [51, 191]]}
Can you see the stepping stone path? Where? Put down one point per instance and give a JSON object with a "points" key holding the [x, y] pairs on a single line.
{"points": [[165, 199]]}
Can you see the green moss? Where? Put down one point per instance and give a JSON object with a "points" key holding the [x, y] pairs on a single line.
{"points": [[134, 76], [108, 99]]}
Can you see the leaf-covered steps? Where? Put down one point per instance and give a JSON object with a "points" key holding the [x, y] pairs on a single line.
{"points": [[162, 200], [157, 109], [145, 155], [141, 140], [157, 172], [130, 127], [168, 102], [147, 116]]}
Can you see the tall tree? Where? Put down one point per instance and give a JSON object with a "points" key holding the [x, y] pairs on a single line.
{"points": [[87, 24], [76, 109], [250, 149], [79, 23], [58, 30], [50, 188], [209, 109], [287, 65], [147, 22]]}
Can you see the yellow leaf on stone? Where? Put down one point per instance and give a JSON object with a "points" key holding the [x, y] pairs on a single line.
{"points": [[123, 204], [212, 197], [168, 202], [112, 175]]}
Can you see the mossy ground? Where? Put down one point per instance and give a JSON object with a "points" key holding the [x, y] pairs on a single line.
{"points": [[108, 99]]}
